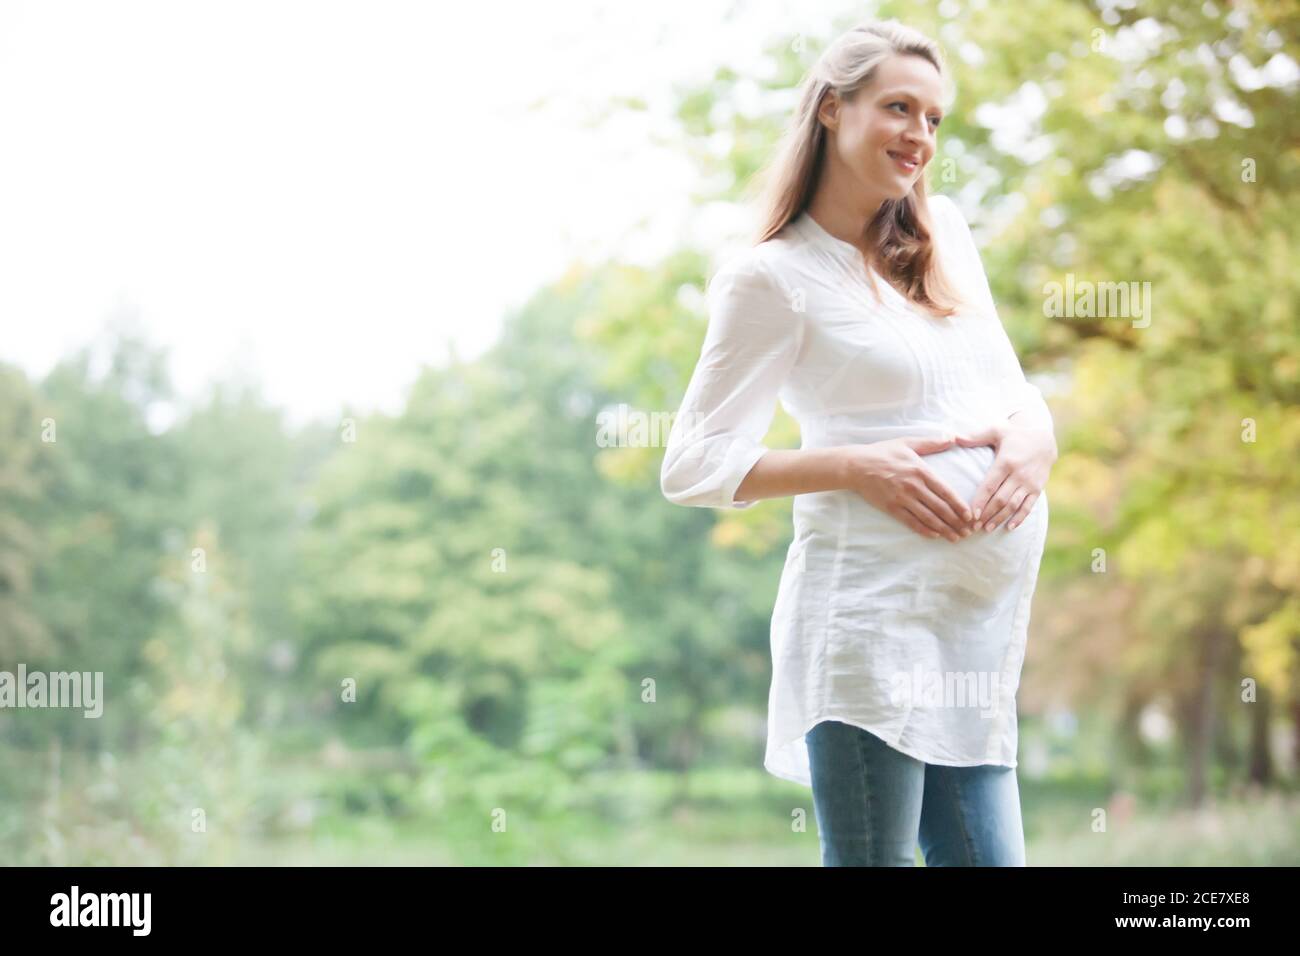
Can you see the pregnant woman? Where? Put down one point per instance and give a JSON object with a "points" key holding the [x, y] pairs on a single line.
{"points": [[920, 514]]}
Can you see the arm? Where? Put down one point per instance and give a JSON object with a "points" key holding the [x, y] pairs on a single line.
{"points": [[1021, 402], [802, 471], [1024, 435], [750, 345]]}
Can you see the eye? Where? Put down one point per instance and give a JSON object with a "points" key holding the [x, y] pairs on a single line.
{"points": [[934, 120]]}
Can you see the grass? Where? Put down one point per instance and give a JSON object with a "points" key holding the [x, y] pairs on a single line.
{"points": [[307, 813], [1262, 830]]}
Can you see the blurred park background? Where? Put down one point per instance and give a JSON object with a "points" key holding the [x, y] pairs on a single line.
{"points": [[471, 631]]}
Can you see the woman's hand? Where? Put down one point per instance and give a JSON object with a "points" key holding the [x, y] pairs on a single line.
{"points": [[1025, 456], [891, 476]]}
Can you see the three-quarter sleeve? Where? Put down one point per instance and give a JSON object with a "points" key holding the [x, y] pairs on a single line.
{"points": [[750, 345], [1016, 393]]}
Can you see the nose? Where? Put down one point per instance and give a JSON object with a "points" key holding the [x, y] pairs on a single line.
{"points": [[916, 138]]}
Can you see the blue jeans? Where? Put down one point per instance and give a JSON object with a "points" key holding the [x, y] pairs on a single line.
{"points": [[874, 804]]}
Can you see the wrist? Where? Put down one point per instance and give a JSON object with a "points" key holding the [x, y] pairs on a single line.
{"points": [[846, 466]]}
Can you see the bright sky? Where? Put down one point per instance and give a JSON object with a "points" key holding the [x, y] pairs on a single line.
{"points": [[326, 193]]}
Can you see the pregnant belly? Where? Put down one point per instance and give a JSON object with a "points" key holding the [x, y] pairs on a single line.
{"points": [[884, 562], [962, 469], [987, 567]]}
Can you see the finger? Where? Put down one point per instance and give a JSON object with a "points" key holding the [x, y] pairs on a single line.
{"points": [[1008, 501], [929, 446], [992, 482], [951, 516], [982, 436], [993, 512], [929, 519], [909, 519], [962, 512], [1022, 512], [1013, 506]]}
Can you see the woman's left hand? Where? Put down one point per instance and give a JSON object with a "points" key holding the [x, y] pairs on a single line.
{"points": [[1024, 459]]}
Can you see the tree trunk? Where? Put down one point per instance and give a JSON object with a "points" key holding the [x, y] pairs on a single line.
{"points": [[1260, 768], [1295, 735], [1132, 748], [1199, 716]]}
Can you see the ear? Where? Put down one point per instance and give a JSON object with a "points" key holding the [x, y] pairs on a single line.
{"points": [[828, 111]]}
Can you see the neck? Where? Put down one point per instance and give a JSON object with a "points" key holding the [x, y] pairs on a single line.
{"points": [[843, 214]]}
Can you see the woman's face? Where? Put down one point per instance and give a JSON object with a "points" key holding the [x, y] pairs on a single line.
{"points": [[885, 135]]}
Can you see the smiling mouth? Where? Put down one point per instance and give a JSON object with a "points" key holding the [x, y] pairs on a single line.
{"points": [[904, 163]]}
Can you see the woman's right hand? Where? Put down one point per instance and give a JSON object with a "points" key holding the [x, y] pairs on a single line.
{"points": [[891, 476]]}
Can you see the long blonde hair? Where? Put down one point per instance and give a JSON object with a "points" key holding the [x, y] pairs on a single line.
{"points": [[899, 236]]}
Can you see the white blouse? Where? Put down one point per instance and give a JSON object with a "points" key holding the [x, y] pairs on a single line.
{"points": [[918, 640]]}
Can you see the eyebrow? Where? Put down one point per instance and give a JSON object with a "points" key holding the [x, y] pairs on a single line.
{"points": [[906, 95]]}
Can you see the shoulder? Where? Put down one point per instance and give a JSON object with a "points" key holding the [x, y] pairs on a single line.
{"points": [[941, 202], [953, 232], [946, 213], [753, 288], [758, 270]]}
